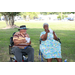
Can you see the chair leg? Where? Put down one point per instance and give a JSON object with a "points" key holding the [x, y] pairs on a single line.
{"points": [[22, 58], [39, 52], [10, 59], [41, 57]]}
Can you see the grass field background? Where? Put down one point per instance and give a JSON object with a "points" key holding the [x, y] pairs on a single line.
{"points": [[64, 30]]}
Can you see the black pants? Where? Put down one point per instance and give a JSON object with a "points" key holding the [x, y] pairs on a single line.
{"points": [[18, 53]]}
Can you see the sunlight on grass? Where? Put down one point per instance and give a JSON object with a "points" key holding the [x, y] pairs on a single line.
{"points": [[71, 60]]}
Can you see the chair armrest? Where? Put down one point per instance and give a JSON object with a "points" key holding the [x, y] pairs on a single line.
{"points": [[11, 41], [13, 33], [40, 40], [58, 39], [10, 48]]}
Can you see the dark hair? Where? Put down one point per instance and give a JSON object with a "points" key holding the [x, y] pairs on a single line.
{"points": [[22, 26]]}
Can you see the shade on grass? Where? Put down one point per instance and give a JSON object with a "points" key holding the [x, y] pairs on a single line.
{"points": [[64, 30]]}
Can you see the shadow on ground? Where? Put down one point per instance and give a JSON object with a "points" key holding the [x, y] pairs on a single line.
{"points": [[67, 47]]}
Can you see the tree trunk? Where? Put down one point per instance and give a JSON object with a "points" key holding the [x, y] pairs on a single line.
{"points": [[11, 20], [6, 19]]}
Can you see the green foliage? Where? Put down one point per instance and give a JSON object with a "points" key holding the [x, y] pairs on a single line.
{"points": [[47, 13], [63, 16], [30, 14], [0, 15], [10, 13]]}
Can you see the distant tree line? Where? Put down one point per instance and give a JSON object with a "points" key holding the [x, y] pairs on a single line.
{"points": [[48, 13], [61, 15], [9, 16]]}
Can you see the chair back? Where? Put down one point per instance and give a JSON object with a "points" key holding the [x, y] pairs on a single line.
{"points": [[11, 44]]}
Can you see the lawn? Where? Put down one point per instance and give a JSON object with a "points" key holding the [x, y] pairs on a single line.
{"points": [[64, 30]]}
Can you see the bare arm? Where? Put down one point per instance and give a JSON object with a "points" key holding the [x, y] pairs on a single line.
{"points": [[17, 42], [44, 36]]}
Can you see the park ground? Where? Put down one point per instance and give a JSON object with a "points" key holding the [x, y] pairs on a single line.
{"points": [[64, 30]]}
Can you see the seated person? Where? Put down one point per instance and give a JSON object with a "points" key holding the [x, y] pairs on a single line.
{"points": [[22, 44], [49, 47]]}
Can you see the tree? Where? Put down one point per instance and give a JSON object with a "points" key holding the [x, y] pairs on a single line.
{"points": [[10, 16], [61, 16], [30, 14], [5, 16], [48, 13]]}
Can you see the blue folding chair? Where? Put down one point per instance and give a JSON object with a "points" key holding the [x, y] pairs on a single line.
{"points": [[40, 53]]}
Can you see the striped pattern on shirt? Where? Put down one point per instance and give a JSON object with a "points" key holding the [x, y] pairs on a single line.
{"points": [[20, 36]]}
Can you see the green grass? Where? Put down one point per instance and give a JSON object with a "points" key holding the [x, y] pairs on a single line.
{"points": [[64, 30]]}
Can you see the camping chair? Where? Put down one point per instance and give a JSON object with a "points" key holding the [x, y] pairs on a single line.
{"points": [[58, 39], [13, 59], [40, 52]]}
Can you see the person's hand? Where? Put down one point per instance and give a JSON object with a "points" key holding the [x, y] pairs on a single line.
{"points": [[42, 36], [47, 31]]}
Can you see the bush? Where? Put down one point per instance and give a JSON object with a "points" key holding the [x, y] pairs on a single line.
{"points": [[63, 16]]}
